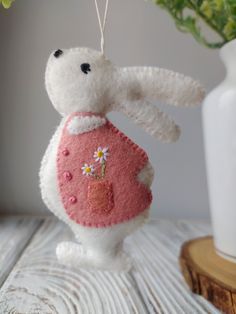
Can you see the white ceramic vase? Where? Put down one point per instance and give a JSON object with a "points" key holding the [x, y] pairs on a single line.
{"points": [[219, 123]]}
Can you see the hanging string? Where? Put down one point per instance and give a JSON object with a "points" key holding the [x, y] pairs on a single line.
{"points": [[102, 25]]}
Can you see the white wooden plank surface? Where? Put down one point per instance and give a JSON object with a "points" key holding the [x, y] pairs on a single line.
{"points": [[15, 232], [38, 284], [155, 250]]}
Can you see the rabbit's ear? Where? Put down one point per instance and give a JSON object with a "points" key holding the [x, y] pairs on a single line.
{"points": [[151, 119], [164, 85]]}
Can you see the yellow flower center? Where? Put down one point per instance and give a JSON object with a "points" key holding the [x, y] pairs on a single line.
{"points": [[100, 154], [88, 170]]}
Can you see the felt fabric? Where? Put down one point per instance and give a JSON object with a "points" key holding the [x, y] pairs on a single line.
{"points": [[82, 79], [96, 201], [92, 176], [100, 197]]}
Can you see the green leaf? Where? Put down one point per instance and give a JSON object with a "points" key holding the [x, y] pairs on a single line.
{"points": [[206, 9], [6, 3], [188, 15], [218, 5], [230, 28]]}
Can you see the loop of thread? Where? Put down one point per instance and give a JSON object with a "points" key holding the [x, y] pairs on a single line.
{"points": [[102, 25]]}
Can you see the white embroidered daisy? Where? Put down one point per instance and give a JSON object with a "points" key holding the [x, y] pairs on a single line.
{"points": [[101, 154], [88, 170]]}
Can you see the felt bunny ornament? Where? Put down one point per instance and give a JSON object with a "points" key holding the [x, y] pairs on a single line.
{"points": [[93, 177]]}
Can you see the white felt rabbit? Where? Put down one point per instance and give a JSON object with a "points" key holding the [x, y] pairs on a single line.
{"points": [[92, 176]]}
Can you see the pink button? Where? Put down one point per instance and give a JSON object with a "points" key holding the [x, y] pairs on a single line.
{"points": [[65, 152], [72, 215], [72, 199], [67, 175]]}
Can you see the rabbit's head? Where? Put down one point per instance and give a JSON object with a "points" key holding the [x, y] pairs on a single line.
{"points": [[83, 80], [79, 79]]}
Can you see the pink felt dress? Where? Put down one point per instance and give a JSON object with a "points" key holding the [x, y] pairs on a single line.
{"points": [[97, 176]]}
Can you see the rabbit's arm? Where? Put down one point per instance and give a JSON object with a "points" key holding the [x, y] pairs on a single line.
{"points": [[79, 125], [152, 120], [164, 85]]}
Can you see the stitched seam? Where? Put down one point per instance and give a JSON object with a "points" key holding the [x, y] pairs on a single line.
{"points": [[111, 222], [134, 146], [143, 162], [108, 188]]}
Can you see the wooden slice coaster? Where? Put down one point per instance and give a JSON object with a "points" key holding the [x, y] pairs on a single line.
{"points": [[208, 274]]}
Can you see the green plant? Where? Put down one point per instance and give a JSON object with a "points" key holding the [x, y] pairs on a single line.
{"points": [[6, 3], [219, 15]]}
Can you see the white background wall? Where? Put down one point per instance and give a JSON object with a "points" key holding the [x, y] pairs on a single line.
{"points": [[138, 33]]}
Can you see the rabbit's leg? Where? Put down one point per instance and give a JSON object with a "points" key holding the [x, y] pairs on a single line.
{"points": [[100, 248], [76, 255]]}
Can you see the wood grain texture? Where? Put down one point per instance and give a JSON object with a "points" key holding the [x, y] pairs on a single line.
{"points": [[208, 274], [155, 249], [39, 284], [15, 233]]}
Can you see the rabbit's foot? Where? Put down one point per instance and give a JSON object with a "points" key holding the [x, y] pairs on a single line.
{"points": [[68, 252], [119, 263], [73, 254]]}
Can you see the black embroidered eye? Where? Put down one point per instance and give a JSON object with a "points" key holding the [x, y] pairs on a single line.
{"points": [[85, 68], [57, 53]]}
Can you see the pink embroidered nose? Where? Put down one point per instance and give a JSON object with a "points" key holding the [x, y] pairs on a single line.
{"points": [[65, 152], [67, 175], [72, 199]]}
